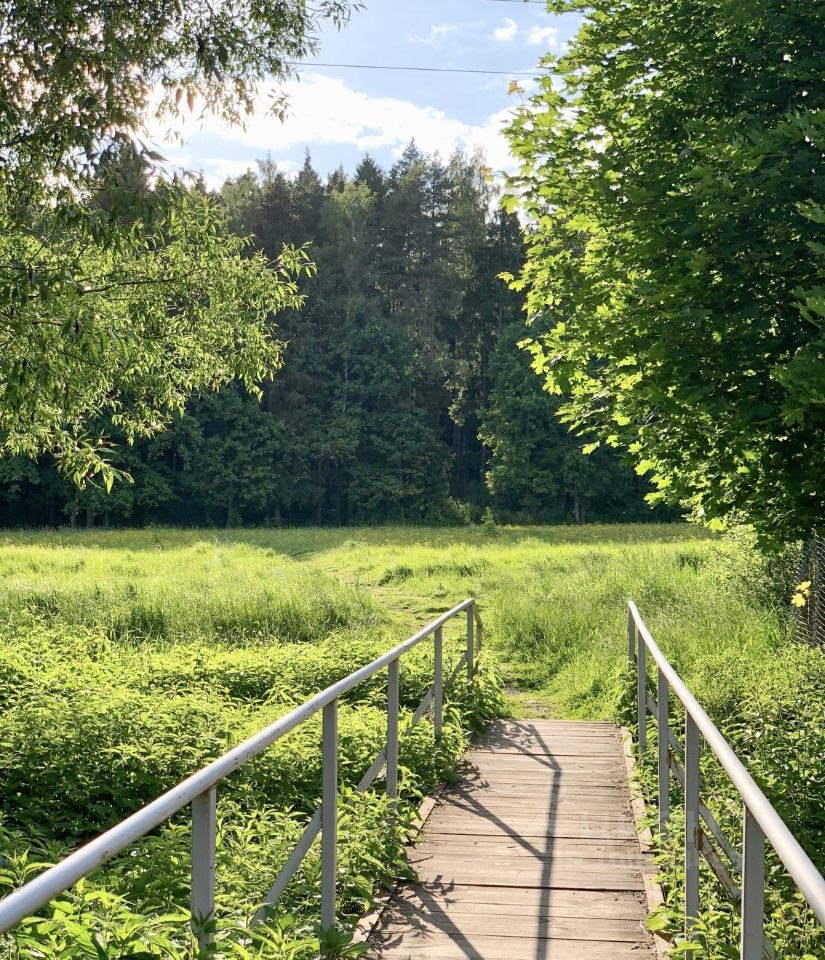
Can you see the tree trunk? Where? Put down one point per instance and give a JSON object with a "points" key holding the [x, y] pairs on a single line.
{"points": [[230, 505]]}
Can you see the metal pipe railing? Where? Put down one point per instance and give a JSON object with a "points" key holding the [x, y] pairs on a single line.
{"points": [[761, 821], [200, 790]]}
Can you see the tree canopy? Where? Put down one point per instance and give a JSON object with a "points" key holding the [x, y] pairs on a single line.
{"points": [[402, 397], [120, 293], [673, 187]]}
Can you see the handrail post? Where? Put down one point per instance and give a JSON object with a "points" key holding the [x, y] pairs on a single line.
{"points": [[204, 840], [470, 644], [438, 683], [329, 814], [662, 709], [641, 694], [631, 636], [753, 889], [392, 731], [692, 745]]}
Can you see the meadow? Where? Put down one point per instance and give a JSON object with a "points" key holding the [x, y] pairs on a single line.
{"points": [[128, 659]]}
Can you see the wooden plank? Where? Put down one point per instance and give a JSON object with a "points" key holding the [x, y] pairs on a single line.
{"points": [[572, 769], [534, 739], [411, 947], [444, 857], [517, 901], [560, 846], [599, 780], [543, 926], [538, 786], [541, 724], [526, 731], [575, 877], [545, 822], [540, 797], [482, 762], [539, 792], [550, 807], [585, 856], [532, 731], [550, 750], [534, 830]]}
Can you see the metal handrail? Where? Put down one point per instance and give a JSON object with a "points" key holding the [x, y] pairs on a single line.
{"points": [[761, 821], [199, 790]]}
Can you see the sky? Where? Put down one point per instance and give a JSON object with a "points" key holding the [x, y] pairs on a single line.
{"points": [[340, 114]]}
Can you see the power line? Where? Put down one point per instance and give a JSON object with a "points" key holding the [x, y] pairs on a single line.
{"points": [[381, 66]]}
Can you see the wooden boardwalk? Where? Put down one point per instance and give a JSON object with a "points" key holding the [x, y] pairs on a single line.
{"points": [[532, 855]]}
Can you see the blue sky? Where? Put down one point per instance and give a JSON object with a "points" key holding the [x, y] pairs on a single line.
{"points": [[340, 114]]}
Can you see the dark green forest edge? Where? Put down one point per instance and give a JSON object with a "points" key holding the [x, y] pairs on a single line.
{"points": [[403, 394]]}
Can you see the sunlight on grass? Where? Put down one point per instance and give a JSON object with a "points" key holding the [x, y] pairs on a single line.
{"points": [[128, 659]]}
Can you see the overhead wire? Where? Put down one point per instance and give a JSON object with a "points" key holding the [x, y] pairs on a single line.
{"points": [[416, 69], [419, 69]]}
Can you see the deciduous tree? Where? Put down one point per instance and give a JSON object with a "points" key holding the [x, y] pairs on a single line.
{"points": [[673, 184], [117, 300]]}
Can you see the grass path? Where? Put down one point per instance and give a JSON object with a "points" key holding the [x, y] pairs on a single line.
{"points": [[552, 599]]}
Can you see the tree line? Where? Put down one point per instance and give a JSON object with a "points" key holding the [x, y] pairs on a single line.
{"points": [[671, 191], [402, 395]]}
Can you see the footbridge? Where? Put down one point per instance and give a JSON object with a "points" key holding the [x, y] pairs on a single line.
{"points": [[537, 851]]}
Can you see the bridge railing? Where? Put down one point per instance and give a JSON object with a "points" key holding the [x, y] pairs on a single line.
{"points": [[200, 790], [760, 821]]}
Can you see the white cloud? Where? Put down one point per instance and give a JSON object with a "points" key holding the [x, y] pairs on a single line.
{"points": [[490, 137], [544, 36], [438, 31], [324, 110], [223, 167], [506, 32]]}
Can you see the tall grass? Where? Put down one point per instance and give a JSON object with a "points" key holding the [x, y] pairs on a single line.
{"points": [[144, 587], [127, 662], [127, 659]]}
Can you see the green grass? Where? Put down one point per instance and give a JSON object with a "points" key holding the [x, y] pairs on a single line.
{"points": [[128, 659], [153, 587]]}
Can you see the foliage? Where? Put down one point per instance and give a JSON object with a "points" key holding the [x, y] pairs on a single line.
{"points": [[117, 298], [671, 180], [127, 665], [156, 703], [130, 330], [537, 470], [403, 396]]}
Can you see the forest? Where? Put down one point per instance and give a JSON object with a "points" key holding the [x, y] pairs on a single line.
{"points": [[402, 393]]}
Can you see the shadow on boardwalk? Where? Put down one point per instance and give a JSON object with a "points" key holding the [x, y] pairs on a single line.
{"points": [[532, 855]]}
